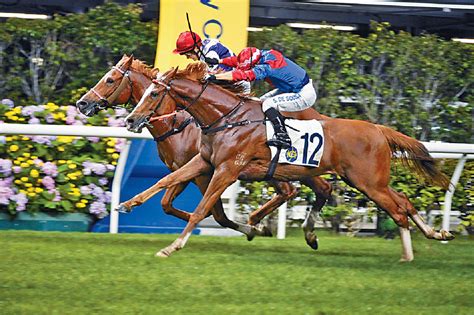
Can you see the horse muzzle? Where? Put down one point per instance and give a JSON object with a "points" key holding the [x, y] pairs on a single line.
{"points": [[136, 124], [88, 109]]}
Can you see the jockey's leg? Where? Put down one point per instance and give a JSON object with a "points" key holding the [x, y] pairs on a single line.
{"points": [[288, 102]]}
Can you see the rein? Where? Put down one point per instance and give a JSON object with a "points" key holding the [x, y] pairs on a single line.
{"points": [[173, 130], [106, 101]]}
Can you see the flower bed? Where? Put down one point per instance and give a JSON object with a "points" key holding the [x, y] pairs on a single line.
{"points": [[60, 174]]}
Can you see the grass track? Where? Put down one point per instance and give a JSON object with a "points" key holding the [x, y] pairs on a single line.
{"points": [[85, 273]]}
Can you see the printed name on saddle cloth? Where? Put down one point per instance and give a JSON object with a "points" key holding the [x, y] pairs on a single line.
{"points": [[307, 142]]}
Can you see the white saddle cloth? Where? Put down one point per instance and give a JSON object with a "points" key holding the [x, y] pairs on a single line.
{"points": [[307, 140]]}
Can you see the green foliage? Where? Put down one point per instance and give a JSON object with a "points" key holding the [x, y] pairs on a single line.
{"points": [[50, 60]]}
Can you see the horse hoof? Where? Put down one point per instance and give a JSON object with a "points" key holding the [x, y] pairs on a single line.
{"points": [[122, 208], [250, 237], [162, 254], [265, 231], [405, 260], [312, 241], [446, 235]]}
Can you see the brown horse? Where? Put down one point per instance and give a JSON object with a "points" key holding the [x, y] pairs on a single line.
{"points": [[358, 151], [178, 141]]}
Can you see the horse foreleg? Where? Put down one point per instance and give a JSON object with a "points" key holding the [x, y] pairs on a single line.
{"points": [[220, 181], [323, 190], [407, 249], [193, 168], [167, 202]]}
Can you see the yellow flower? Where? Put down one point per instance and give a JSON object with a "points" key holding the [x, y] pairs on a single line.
{"points": [[14, 118], [51, 106], [31, 194], [14, 148], [16, 162], [72, 166], [61, 149], [65, 139], [80, 205], [72, 176], [18, 182], [31, 162], [113, 163], [59, 116], [61, 161], [28, 185], [25, 138], [17, 110], [21, 159], [21, 119], [30, 189], [34, 173], [23, 191], [115, 156], [24, 165], [84, 200], [34, 157], [110, 150], [26, 154], [10, 113], [111, 142], [38, 189], [39, 180], [8, 138], [24, 179]]}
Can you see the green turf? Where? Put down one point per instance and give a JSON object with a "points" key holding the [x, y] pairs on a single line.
{"points": [[85, 273]]}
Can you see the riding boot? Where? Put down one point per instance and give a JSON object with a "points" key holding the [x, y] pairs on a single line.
{"points": [[280, 137]]}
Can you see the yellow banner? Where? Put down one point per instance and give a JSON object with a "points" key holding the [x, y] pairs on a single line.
{"points": [[226, 20]]}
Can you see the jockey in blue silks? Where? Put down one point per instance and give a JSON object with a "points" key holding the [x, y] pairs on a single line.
{"points": [[293, 91], [209, 50]]}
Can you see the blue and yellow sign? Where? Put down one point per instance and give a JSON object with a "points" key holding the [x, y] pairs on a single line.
{"points": [[291, 154], [226, 20]]}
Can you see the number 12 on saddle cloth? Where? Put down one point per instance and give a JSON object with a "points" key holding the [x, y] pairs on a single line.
{"points": [[307, 142]]}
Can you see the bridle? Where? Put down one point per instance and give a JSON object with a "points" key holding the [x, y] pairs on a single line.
{"points": [[107, 101], [205, 128]]}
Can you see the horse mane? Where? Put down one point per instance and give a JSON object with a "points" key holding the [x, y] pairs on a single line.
{"points": [[197, 70], [140, 67]]}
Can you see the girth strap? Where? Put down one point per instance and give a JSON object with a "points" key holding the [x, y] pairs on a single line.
{"points": [[273, 165]]}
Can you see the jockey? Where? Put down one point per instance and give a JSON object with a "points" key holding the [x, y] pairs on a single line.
{"points": [[293, 91], [209, 51], [190, 45]]}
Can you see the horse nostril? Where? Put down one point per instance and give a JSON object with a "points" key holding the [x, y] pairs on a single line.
{"points": [[130, 120], [81, 103]]}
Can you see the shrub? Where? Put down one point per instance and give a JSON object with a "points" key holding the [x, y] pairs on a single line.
{"points": [[58, 174]]}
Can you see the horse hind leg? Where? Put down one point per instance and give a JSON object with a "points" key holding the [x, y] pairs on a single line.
{"points": [[427, 230], [323, 190]]}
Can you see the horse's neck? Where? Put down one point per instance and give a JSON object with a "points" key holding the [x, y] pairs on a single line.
{"points": [[208, 106], [140, 83]]}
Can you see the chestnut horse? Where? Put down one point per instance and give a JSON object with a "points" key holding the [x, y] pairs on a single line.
{"points": [[358, 151], [178, 140]]}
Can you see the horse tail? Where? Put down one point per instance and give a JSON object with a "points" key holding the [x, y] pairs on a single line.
{"points": [[414, 155]]}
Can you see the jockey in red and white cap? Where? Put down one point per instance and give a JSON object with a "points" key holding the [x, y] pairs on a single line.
{"points": [[191, 45], [293, 91]]}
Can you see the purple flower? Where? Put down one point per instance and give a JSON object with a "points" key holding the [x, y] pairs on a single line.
{"points": [[6, 193], [121, 112], [6, 182], [85, 190], [50, 169], [119, 144], [34, 121], [20, 200], [7, 102], [2, 138], [57, 194], [91, 167], [42, 139], [103, 181], [49, 119], [49, 183], [30, 110], [38, 162], [16, 169], [97, 207], [110, 167], [5, 167], [93, 139], [97, 191], [70, 120], [113, 122]]}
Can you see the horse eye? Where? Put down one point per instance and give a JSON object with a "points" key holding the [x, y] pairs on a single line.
{"points": [[109, 80], [154, 94]]}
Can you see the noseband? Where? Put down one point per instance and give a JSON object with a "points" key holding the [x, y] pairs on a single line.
{"points": [[107, 101]]}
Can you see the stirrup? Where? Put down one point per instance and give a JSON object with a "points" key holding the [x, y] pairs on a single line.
{"points": [[278, 142]]}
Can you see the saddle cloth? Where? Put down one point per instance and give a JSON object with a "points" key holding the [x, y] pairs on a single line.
{"points": [[307, 140]]}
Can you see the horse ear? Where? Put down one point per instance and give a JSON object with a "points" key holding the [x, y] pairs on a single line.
{"points": [[127, 63]]}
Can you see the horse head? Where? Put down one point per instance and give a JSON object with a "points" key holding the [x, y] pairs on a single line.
{"points": [[156, 101]]}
